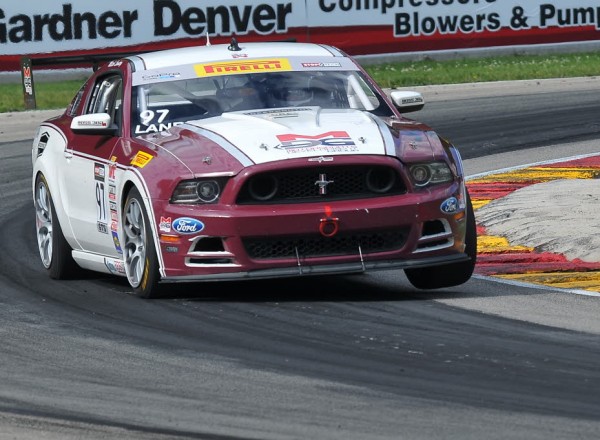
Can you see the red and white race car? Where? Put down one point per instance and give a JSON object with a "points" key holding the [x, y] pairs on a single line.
{"points": [[245, 161]]}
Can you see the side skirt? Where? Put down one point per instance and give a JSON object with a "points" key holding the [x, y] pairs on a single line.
{"points": [[99, 263]]}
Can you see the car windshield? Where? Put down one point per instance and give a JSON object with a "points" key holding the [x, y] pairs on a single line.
{"points": [[158, 106]]}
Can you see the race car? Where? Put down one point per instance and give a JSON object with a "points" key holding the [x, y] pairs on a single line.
{"points": [[245, 161]]}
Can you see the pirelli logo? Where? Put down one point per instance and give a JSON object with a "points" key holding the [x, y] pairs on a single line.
{"points": [[246, 66]]}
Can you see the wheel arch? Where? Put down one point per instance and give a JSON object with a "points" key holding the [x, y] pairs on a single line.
{"points": [[133, 179]]}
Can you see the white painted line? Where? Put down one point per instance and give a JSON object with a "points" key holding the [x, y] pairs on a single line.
{"points": [[536, 286], [535, 164]]}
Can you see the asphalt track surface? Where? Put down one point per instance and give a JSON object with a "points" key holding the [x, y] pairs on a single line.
{"points": [[359, 357]]}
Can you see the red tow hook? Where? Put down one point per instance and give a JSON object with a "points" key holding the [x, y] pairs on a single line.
{"points": [[329, 226]]}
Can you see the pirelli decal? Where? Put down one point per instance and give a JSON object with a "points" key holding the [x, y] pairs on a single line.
{"points": [[246, 66], [141, 159]]}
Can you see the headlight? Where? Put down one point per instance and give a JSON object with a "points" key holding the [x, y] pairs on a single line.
{"points": [[201, 191], [430, 173]]}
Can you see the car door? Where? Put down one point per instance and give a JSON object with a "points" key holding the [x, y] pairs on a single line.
{"points": [[85, 183]]}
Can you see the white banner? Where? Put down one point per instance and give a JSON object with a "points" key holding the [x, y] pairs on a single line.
{"points": [[356, 26]]}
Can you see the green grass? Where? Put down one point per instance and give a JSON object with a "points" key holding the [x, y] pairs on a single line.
{"points": [[51, 95], [510, 68]]}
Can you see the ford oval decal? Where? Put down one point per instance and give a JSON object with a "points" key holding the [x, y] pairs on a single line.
{"points": [[186, 225], [449, 206]]}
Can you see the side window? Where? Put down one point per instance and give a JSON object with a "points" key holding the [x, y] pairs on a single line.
{"points": [[74, 105]]}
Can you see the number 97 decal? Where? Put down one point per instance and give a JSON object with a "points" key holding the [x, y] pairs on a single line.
{"points": [[101, 214], [154, 121], [147, 116]]}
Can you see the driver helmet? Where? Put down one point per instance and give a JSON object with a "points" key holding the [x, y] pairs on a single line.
{"points": [[290, 93]]}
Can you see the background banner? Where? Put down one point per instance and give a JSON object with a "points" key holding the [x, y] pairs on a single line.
{"points": [[359, 27]]}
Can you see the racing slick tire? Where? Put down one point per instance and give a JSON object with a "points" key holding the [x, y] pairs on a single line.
{"points": [[55, 252], [139, 251], [452, 274]]}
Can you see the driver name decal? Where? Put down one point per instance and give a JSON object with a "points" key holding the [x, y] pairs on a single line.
{"points": [[328, 142]]}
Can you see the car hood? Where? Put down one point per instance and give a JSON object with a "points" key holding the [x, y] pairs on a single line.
{"points": [[278, 134]]}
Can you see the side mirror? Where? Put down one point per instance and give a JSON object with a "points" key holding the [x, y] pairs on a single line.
{"points": [[407, 101], [95, 123]]}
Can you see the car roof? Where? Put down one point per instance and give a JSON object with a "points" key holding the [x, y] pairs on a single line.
{"points": [[220, 52]]}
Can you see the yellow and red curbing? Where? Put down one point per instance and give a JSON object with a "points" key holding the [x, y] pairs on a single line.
{"points": [[498, 257]]}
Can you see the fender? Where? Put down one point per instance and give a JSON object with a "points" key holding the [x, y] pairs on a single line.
{"points": [[51, 142], [132, 177]]}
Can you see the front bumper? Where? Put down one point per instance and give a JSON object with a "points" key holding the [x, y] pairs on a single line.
{"points": [[404, 231]]}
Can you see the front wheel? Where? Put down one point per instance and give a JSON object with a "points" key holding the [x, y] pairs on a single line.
{"points": [[55, 252], [452, 274], [141, 262]]}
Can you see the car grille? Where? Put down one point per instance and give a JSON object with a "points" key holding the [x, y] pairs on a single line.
{"points": [[321, 184], [318, 246]]}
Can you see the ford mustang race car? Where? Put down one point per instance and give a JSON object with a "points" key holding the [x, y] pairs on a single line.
{"points": [[246, 161]]}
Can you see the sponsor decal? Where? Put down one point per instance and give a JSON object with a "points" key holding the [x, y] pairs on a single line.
{"points": [[112, 192], [235, 67], [92, 124], [141, 159], [102, 227], [449, 206], [161, 76], [415, 100], [114, 226], [116, 241], [279, 113], [329, 142], [27, 79], [115, 266], [172, 249], [165, 224], [321, 65], [117, 63], [99, 172], [112, 171], [187, 225]]}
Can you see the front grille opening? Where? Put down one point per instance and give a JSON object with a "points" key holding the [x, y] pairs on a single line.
{"points": [[321, 183], [209, 244], [435, 234], [433, 227], [319, 246], [207, 251], [209, 261]]}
